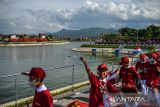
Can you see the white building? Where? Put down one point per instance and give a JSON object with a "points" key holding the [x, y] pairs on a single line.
{"points": [[13, 36]]}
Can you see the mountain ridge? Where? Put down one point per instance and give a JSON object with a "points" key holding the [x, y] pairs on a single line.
{"points": [[85, 32]]}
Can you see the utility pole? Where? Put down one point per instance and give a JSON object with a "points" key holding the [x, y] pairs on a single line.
{"points": [[137, 32]]}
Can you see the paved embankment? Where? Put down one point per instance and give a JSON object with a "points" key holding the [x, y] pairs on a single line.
{"points": [[34, 44], [125, 51], [83, 96]]}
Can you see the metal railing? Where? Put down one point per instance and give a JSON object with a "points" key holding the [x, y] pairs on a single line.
{"points": [[14, 87]]}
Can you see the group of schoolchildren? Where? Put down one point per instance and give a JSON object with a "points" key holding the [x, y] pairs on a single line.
{"points": [[146, 70], [144, 77]]}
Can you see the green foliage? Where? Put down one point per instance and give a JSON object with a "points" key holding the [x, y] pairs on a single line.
{"points": [[128, 32], [151, 32], [99, 46]]}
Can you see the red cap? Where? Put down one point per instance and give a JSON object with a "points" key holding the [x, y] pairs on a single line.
{"points": [[153, 55], [37, 72], [124, 59], [158, 54], [102, 67], [142, 56]]}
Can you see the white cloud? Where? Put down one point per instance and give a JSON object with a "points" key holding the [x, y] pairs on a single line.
{"points": [[88, 14], [135, 10], [93, 6], [151, 13]]}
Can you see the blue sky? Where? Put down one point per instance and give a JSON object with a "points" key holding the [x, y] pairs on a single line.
{"points": [[39, 16]]}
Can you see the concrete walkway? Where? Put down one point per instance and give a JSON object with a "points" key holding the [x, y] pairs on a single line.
{"points": [[103, 50], [83, 96]]}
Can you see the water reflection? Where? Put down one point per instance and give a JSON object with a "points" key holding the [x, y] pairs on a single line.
{"points": [[18, 59]]}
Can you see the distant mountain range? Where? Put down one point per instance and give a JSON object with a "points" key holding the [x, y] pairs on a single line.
{"points": [[89, 32]]}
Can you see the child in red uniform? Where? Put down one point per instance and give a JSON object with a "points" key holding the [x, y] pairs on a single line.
{"points": [[141, 66], [42, 97], [128, 74], [153, 77], [158, 57], [99, 84]]}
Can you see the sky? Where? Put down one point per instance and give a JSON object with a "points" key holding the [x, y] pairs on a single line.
{"points": [[41, 16]]}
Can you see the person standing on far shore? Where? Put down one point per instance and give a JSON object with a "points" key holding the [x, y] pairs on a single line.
{"points": [[42, 97]]}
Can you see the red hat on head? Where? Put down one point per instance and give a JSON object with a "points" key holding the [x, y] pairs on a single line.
{"points": [[124, 59], [37, 72], [153, 55], [158, 54], [102, 67], [142, 56]]}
